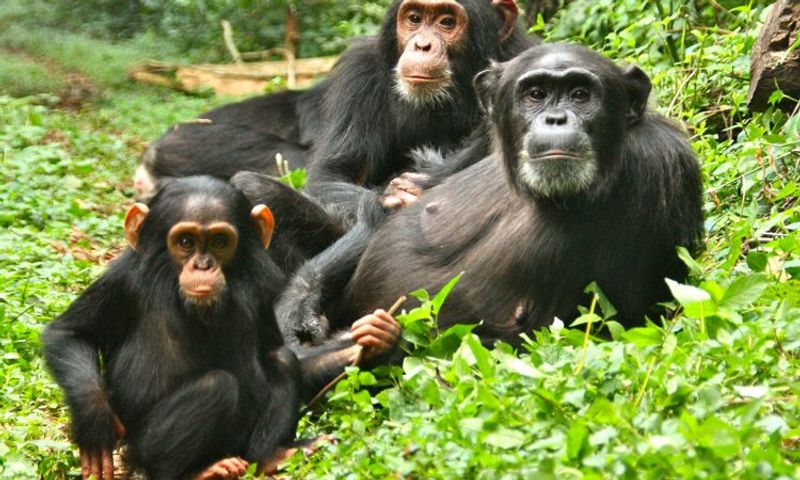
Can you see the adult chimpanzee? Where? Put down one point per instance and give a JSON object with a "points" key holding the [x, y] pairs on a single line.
{"points": [[584, 184], [241, 136], [407, 88], [176, 346]]}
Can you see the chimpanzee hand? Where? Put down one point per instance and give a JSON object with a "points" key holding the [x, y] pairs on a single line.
{"points": [[99, 461], [402, 191], [376, 333], [225, 469]]}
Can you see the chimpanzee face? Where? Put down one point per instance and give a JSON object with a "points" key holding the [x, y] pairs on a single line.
{"points": [[561, 115], [201, 233], [428, 33]]}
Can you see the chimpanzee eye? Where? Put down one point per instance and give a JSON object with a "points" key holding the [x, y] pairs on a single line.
{"points": [[537, 94], [448, 23], [580, 95], [415, 18], [219, 242], [186, 241]]}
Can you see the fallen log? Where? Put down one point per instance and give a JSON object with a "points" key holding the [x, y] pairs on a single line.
{"points": [[230, 79], [775, 58]]}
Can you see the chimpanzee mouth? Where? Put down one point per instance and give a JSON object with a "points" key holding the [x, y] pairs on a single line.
{"points": [[558, 155], [423, 91], [414, 79], [557, 173]]}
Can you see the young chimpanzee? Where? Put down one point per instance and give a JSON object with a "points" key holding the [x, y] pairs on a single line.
{"points": [[176, 346], [584, 184]]}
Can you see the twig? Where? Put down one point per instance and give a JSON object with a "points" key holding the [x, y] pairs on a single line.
{"points": [[227, 36], [356, 361]]}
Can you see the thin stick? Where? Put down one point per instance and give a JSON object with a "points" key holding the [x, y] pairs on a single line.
{"points": [[356, 361], [227, 37]]}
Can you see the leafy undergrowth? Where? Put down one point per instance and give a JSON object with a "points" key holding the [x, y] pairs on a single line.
{"points": [[713, 391]]}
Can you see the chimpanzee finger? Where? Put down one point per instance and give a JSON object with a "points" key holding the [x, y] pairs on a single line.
{"points": [[381, 320], [107, 459], [235, 466], [211, 472], [94, 465], [390, 201], [119, 429], [390, 322], [374, 346], [372, 330], [85, 463]]}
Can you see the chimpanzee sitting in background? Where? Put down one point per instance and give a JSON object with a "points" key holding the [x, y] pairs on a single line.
{"points": [[244, 135], [584, 184], [176, 346], [406, 88]]}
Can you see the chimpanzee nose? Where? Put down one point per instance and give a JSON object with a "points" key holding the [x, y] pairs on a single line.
{"points": [[556, 119], [203, 262], [422, 44]]}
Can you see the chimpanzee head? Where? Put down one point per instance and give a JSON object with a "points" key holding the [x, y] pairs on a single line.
{"points": [[431, 44], [561, 114], [201, 227]]}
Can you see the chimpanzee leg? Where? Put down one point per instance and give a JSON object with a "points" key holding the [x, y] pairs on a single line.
{"points": [[303, 228], [276, 424], [189, 429]]}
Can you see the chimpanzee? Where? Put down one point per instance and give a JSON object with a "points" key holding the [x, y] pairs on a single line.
{"points": [[406, 88], [584, 184], [176, 347], [245, 135]]}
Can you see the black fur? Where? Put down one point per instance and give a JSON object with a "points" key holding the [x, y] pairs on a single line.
{"points": [[240, 136]]}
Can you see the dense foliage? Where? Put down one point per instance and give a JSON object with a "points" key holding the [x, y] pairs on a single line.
{"points": [[713, 391], [193, 27]]}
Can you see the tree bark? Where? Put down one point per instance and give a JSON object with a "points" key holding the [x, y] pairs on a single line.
{"points": [[775, 59]]}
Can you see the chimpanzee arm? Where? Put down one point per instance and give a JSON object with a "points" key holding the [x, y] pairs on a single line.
{"points": [[438, 167], [95, 321], [432, 167], [352, 147], [319, 282]]}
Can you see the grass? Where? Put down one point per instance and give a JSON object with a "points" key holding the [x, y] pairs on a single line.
{"points": [[713, 391], [20, 77]]}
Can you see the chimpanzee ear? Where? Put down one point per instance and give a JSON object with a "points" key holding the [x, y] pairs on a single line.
{"points": [[134, 218], [509, 11], [265, 223], [638, 85], [484, 84]]}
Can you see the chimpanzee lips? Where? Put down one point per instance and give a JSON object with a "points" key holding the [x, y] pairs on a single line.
{"points": [[556, 154], [424, 79]]}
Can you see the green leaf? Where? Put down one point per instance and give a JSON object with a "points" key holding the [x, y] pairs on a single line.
{"points": [[505, 438], [643, 336], [744, 291], [577, 439], [697, 303], [480, 355], [438, 300]]}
